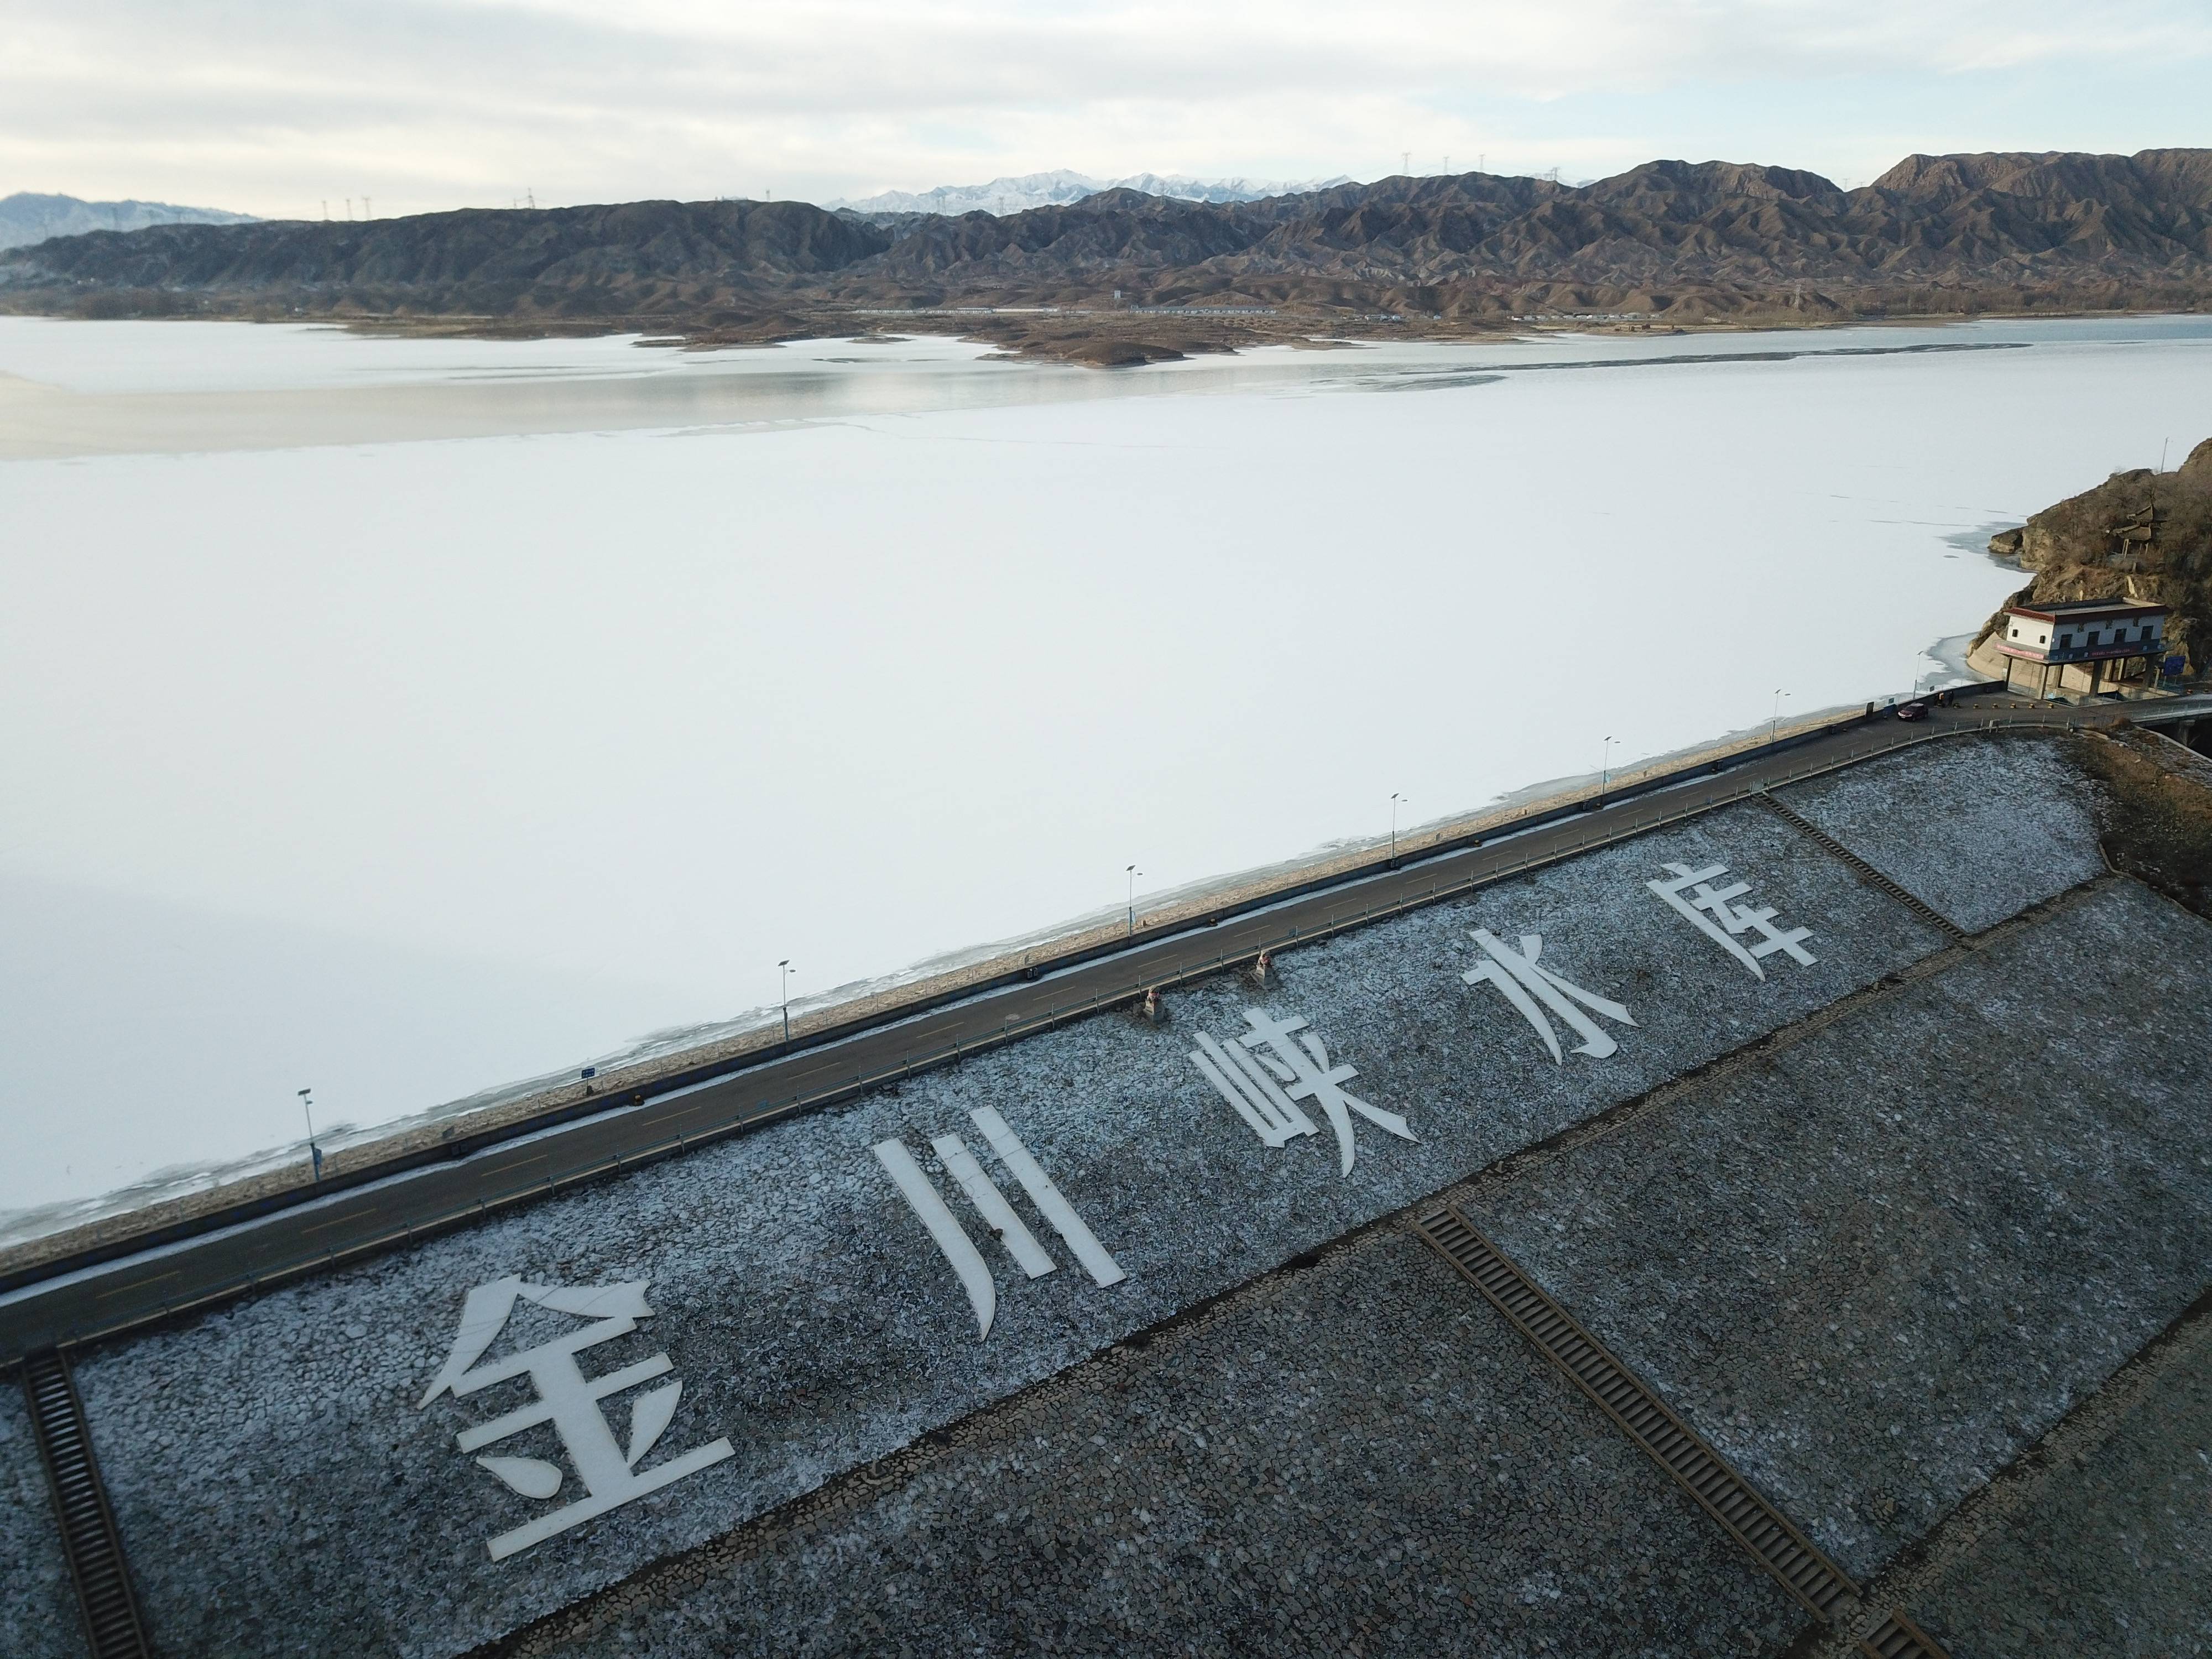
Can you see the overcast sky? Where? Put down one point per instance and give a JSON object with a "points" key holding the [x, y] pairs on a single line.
{"points": [[276, 108]]}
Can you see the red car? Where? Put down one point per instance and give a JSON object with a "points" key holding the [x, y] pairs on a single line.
{"points": [[1912, 711]]}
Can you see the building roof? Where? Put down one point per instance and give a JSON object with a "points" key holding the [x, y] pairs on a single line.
{"points": [[2083, 609]]}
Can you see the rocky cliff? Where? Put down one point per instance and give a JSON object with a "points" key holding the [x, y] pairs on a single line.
{"points": [[2142, 535]]}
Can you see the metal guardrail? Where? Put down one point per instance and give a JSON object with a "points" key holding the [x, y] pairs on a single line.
{"points": [[617, 1093], [1606, 831]]}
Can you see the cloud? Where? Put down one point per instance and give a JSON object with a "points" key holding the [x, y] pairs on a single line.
{"points": [[432, 103]]}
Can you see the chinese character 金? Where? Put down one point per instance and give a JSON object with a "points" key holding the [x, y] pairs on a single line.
{"points": [[568, 1401]]}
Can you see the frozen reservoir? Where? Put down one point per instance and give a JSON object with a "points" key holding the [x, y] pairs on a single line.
{"points": [[407, 717]]}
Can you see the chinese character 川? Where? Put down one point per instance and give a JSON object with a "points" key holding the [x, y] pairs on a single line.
{"points": [[952, 1239], [1264, 1074], [568, 1401]]}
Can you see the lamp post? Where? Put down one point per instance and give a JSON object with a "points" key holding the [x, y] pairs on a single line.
{"points": [[1395, 799], [1605, 768], [1774, 726], [314, 1152], [1133, 873], [786, 965]]}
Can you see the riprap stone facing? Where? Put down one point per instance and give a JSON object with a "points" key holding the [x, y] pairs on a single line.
{"points": [[1978, 829], [280, 1492], [37, 1607], [1362, 1457], [1873, 1268], [2114, 1556]]}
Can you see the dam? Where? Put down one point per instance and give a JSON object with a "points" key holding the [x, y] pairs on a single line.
{"points": [[1768, 1210]]}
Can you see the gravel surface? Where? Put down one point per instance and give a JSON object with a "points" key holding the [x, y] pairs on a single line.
{"points": [[1362, 1458], [38, 1609], [1977, 828], [809, 1316], [2114, 1556], [1873, 1268]]}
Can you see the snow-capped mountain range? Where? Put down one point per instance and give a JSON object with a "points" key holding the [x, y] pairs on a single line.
{"points": [[1057, 188], [25, 217]]}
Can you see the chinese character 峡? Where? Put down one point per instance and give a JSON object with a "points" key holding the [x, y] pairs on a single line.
{"points": [[1710, 908], [568, 1400], [1265, 1072], [1526, 983]]}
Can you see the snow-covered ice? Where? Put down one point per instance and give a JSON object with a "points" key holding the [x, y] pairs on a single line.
{"points": [[403, 769]]}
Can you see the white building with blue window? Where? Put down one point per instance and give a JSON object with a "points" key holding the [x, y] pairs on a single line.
{"points": [[2083, 645]]}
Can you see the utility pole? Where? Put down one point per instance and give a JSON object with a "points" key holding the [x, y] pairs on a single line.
{"points": [[314, 1152], [786, 965]]}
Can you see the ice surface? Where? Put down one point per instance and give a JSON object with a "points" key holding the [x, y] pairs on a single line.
{"points": [[604, 724]]}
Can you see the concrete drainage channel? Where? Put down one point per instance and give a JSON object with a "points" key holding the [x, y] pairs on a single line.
{"points": [[1865, 872], [1793, 1559], [89, 1541], [1900, 1638], [1756, 1524]]}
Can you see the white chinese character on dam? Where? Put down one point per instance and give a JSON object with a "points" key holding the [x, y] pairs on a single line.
{"points": [[570, 1402], [1711, 910], [967, 1262], [1264, 1074], [1527, 983]]}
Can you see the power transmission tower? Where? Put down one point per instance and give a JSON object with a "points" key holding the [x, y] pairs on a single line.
{"points": [[365, 213], [1405, 162]]}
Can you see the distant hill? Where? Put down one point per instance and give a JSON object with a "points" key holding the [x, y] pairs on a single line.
{"points": [[26, 218], [1668, 241], [1058, 189]]}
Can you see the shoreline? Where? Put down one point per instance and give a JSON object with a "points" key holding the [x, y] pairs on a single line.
{"points": [[407, 1136]]}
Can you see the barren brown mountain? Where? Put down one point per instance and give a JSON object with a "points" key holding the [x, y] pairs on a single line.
{"points": [[1666, 242]]}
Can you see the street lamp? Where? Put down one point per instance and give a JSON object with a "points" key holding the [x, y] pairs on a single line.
{"points": [[1605, 768], [786, 965], [1133, 873], [1774, 726], [314, 1152], [1395, 799]]}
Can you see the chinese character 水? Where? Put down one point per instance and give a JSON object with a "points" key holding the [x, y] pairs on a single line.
{"points": [[1526, 983]]}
